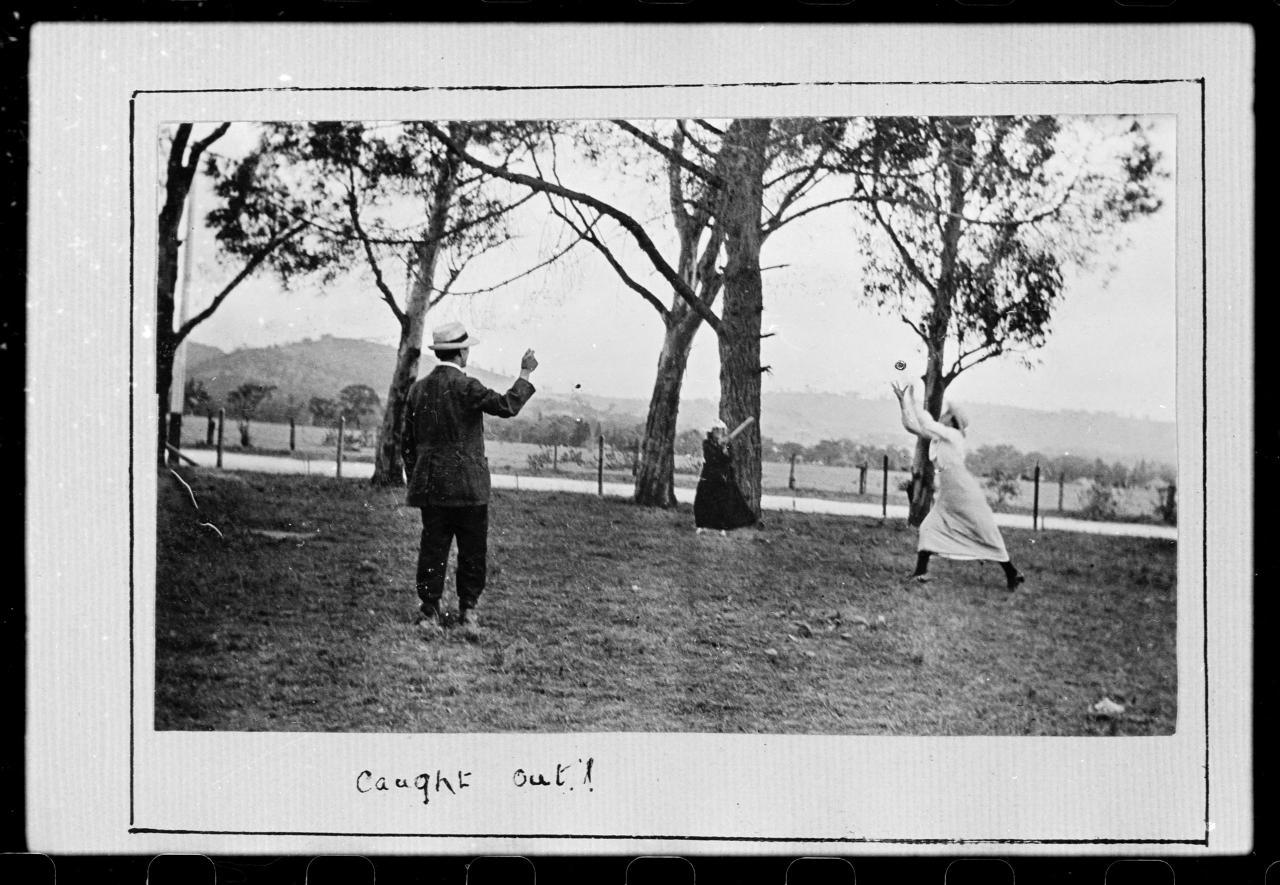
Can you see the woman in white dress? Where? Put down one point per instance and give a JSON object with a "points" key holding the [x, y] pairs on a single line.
{"points": [[960, 525]]}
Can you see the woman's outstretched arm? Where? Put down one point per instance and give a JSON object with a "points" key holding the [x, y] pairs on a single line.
{"points": [[906, 404], [928, 426]]}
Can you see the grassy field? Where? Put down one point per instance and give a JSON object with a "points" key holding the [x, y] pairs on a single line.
{"points": [[812, 480], [602, 616]]}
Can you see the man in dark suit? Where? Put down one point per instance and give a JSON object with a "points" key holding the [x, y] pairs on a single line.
{"points": [[444, 458]]}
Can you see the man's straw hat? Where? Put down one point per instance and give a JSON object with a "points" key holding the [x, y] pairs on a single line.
{"points": [[451, 336]]}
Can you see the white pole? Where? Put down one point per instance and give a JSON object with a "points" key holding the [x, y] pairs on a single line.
{"points": [[177, 388]]}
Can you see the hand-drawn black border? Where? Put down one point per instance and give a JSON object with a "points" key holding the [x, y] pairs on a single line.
{"points": [[1204, 474]]}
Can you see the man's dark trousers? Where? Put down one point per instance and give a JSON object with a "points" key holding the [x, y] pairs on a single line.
{"points": [[440, 525]]}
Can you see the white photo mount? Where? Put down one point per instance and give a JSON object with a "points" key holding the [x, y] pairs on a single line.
{"points": [[100, 778]]}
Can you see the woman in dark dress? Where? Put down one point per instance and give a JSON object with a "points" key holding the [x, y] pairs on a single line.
{"points": [[718, 503]]}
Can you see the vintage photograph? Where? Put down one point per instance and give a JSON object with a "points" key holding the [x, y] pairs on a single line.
{"points": [[854, 425]]}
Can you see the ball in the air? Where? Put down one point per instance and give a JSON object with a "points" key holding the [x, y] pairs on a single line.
{"points": [[900, 365], [576, 386]]}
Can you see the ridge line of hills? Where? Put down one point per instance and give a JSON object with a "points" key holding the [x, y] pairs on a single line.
{"points": [[321, 367]]}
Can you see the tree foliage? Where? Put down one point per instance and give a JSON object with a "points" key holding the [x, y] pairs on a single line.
{"points": [[366, 189], [385, 197], [245, 399], [324, 410], [358, 401], [244, 402], [971, 224]]}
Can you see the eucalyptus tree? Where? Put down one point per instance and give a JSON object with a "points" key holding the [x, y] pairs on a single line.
{"points": [[970, 226], [272, 233], [714, 178], [378, 193]]}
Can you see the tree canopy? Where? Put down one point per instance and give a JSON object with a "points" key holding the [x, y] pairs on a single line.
{"points": [[971, 223]]}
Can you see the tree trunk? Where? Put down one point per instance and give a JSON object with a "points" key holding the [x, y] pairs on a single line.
{"points": [[655, 474], [740, 319], [655, 458], [179, 172], [388, 464], [935, 380], [922, 475], [166, 283], [388, 467]]}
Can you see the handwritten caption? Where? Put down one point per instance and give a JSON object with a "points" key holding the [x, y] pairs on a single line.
{"points": [[564, 776]]}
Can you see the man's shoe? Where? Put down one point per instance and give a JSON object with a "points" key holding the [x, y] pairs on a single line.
{"points": [[430, 624], [469, 623]]}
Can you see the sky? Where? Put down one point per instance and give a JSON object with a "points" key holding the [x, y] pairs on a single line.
{"points": [[1112, 347]]}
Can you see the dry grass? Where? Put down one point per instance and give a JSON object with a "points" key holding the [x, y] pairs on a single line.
{"points": [[602, 616]]}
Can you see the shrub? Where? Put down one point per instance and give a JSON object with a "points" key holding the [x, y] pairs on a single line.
{"points": [[688, 464], [1100, 503], [1004, 485], [619, 459]]}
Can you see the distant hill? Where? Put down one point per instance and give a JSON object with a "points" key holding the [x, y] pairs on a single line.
{"points": [[811, 417], [807, 418], [198, 353], [305, 369], [322, 367]]}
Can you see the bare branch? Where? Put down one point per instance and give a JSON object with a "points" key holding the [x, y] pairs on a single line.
{"points": [[626, 221], [454, 273], [258, 257], [777, 222], [675, 190], [698, 145], [915, 328], [586, 234], [387, 295], [673, 156], [907, 257], [956, 369], [541, 264], [807, 180], [198, 148]]}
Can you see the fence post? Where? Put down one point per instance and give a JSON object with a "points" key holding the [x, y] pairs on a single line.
{"points": [[210, 431], [293, 438], [791, 480], [1062, 475], [222, 420], [174, 435], [1035, 500], [555, 457], [600, 469], [862, 478], [342, 431], [884, 495]]}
